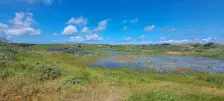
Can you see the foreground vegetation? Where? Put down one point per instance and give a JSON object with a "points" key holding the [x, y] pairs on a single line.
{"points": [[30, 72]]}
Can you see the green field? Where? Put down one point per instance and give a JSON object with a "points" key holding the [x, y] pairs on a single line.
{"points": [[32, 73]]}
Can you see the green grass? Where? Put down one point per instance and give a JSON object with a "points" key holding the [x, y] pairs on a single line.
{"points": [[68, 78], [172, 96]]}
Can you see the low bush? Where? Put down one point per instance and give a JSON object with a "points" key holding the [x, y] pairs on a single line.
{"points": [[213, 79], [216, 80], [77, 80], [50, 72], [4, 73], [209, 45]]}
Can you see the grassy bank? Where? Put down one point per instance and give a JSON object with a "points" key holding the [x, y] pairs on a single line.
{"points": [[32, 73]]}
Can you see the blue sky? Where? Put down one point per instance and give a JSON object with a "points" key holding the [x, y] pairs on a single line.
{"points": [[112, 21]]}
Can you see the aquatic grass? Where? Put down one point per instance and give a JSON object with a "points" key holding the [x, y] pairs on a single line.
{"points": [[171, 96]]}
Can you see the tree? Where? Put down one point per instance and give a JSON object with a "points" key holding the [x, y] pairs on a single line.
{"points": [[209, 45]]}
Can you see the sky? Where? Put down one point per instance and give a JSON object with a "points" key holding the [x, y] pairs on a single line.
{"points": [[112, 21]]}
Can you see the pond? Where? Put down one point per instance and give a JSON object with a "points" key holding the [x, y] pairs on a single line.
{"points": [[169, 63], [183, 64]]}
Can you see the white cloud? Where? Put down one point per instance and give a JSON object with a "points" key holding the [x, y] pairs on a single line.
{"points": [[101, 25], [162, 38], [54, 34], [142, 37], [207, 39], [93, 37], [172, 29], [176, 41], [149, 28], [76, 39], [85, 29], [21, 25], [3, 26], [124, 28], [47, 2], [78, 21], [8, 37], [184, 41], [168, 30], [127, 39], [23, 31], [134, 20], [22, 19], [124, 21], [69, 30]]}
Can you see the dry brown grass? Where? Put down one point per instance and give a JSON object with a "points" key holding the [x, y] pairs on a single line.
{"points": [[178, 88], [183, 69], [97, 92], [20, 88], [180, 53]]}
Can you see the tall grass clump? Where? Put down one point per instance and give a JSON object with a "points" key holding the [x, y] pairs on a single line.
{"points": [[50, 72], [171, 96]]}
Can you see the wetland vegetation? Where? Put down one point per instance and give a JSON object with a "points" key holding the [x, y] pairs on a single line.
{"points": [[86, 72]]}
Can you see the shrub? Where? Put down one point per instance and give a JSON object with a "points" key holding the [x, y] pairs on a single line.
{"points": [[216, 80], [50, 72], [4, 73], [212, 79], [209, 45], [155, 96], [77, 80]]}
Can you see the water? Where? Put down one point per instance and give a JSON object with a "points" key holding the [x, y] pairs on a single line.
{"points": [[163, 63], [65, 50], [160, 63]]}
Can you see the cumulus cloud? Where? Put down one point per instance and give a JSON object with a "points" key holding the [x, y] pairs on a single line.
{"points": [[54, 34], [162, 38], [76, 39], [47, 2], [78, 21], [93, 37], [86, 38], [134, 20], [207, 39], [21, 24], [22, 20], [127, 38], [172, 29], [3, 28], [23, 31], [185, 41], [124, 21], [124, 28], [149, 28], [69, 30], [176, 41], [101, 25], [8, 37], [85, 29], [168, 30], [142, 37]]}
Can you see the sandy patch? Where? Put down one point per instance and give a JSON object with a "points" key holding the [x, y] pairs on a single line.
{"points": [[179, 53]]}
